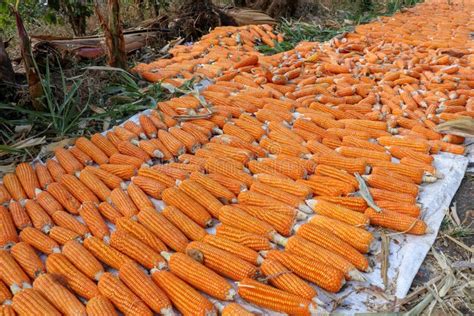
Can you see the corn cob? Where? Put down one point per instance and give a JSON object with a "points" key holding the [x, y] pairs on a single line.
{"points": [[186, 299], [333, 172], [27, 177], [88, 264], [124, 171], [149, 186], [78, 189], [127, 148], [397, 221], [235, 248], [281, 196], [357, 204], [93, 182], [420, 146], [239, 143], [123, 298], [19, 216], [14, 187], [35, 238], [55, 169], [167, 155], [239, 219], [285, 280], [281, 221], [11, 273], [239, 154], [188, 205], [221, 261], [147, 124], [122, 202], [221, 167], [106, 254], [380, 171], [175, 173], [175, 146], [27, 258], [142, 285], [135, 249], [199, 276], [401, 152], [43, 175], [141, 233], [151, 148], [4, 194], [77, 281], [8, 234], [412, 210], [135, 129], [48, 202], [289, 168], [258, 167], [62, 195], [286, 185], [359, 238], [277, 300], [339, 213], [319, 188], [5, 294], [200, 195], [58, 295], [427, 168], [32, 302], [234, 309], [189, 141], [234, 185], [187, 226], [324, 276], [67, 160], [351, 165], [68, 221], [156, 175], [109, 212], [250, 240], [381, 182], [214, 187], [81, 156], [162, 228], [104, 144], [254, 129], [186, 166], [378, 194], [94, 220], [40, 219], [139, 198], [201, 135], [92, 150], [100, 305], [62, 235]]}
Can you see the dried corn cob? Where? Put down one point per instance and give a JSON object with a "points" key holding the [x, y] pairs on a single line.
{"points": [[286, 185], [67, 160], [269, 297], [135, 249], [186, 299], [221, 167], [279, 195], [68, 221], [48, 202], [148, 126], [139, 198], [27, 176], [81, 156], [8, 234], [32, 302], [175, 173], [14, 187], [391, 184], [77, 281], [285, 280], [43, 175], [319, 188], [104, 144], [326, 277], [171, 143], [234, 309], [342, 175], [420, 146], [62, 235], [19, 216], [397, 221], [93, 182], [62, 195], [105, 253], [401, 152], [35, 238], [237, 249], [127, 148], [94, 221], [199, 276], [55, 169], [27, 258], [11, 273], [92, 150], [122, 202], [378, 194], [135, 129], [357, 204], [221, 261], [5, 294], [234, 185], [286, 167], [162, 228], [188, 205], [4, 195], [189, 141], [100, 305], [253, 241], [338, 212], [187, 226], [141, 233], [123, 298], [124, 171], [77, 189], [214, 187], [88, 264], [150, 186], [156, 175], [200, 195], [40, 219], [61, 298], [359, 238], [109, 212], [351, 165], [142, 285], [281, 221], [353, 141]]}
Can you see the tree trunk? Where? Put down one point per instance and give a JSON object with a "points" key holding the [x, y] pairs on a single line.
{"points": [[115, 43], [7, 74]]}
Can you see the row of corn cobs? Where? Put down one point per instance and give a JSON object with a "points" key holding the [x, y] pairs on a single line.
{"points": [[284, 142]]}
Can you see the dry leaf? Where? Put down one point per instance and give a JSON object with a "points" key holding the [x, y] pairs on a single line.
{"points": [[50, 147]]}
